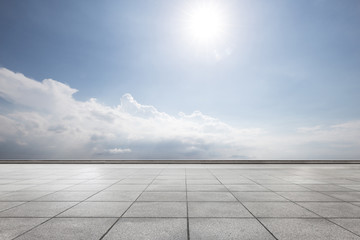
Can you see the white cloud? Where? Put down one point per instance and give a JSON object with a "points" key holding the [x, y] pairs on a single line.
{"points": [[43, 120]]}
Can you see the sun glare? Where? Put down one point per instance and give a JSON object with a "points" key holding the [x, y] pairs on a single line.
{"points": [[206, 23]]}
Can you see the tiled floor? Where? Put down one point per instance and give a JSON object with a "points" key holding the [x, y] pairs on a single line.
{"points": [[84, 201]]}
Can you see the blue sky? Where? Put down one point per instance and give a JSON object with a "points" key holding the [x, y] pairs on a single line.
{"points": [[280, 66]]}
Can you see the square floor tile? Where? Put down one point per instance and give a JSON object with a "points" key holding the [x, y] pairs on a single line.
{"points": [[166, 188], [207, 188], [325, 187], [148, 228], [97, 209], [202, 182], [227, 229], [217, 209], [286, 188], [23, 195], [258, 197], [346, 196], [306, 229], [13, 227], [37, 209], [307, 196], [277, 209], [7, 205], [64, 196], [247, 188], [352, 225], [162, 196], [127, 188], [70, 228], [114, 196], [157, 209], [210, 196], [332, 209]]}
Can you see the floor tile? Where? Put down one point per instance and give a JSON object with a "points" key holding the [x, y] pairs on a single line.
{"points": [[148, 228], [166, 188], [110, 196], [277, 209], [258, 197], [217, 209], [207, 188], [246, 188], [97, 209], [162, 196], [332, 209], [307, 196], [7, 205], [227, 229], [352, 225], [346, 196], [305, 229], [210, 196], [37, 209], [70, 228], [13, 227], [157, 209], [64, 196]]}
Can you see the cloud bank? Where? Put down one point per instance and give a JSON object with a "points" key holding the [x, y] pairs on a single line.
{"points": [[42, 120]]}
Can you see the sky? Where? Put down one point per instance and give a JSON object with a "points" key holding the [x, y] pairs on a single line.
{"points": [[190, 79]]}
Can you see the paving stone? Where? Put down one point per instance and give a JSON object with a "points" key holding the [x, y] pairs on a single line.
{"points": [[227, 229], [23, 196], [207, 188], [166, 188], [148, 228], [70, 228], [37, 209], [217, 209], [7, 205], [352, 225], [127, 188], [307, 196], [210, 196], [286, 188], [64, 196], [157, 209], [113, 196], [97, 209], [332, 209], [246, 188], [162, 196], [13, 227], [258, 197], [326, 187], [346, 196], [277, 209], [305, 229]]}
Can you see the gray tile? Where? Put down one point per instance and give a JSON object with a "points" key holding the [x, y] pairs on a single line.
{"points": [[157, 209], [110, 196], [97, 209], [202, 182], [64, 196], [305, 229], [246, 188], [13, 227], [206, 188], [332, 209], [23, 196], [217, 209], [37, 209], [258, 197], [148, 228], [307, 196], [352, 225], [7, 205], [87, 187], [70, 228], [346, 196], [325, 187], [286, 188], [162, 196], [227, 229], [351, 187], [168, 182], [127, 188], [166, 188], [277, 209], [210, 196]]}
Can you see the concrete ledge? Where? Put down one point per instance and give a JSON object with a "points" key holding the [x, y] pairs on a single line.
{"points": [[182, 161]]}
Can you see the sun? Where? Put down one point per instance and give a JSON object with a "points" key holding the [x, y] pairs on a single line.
{"points": [[206, 23]]}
